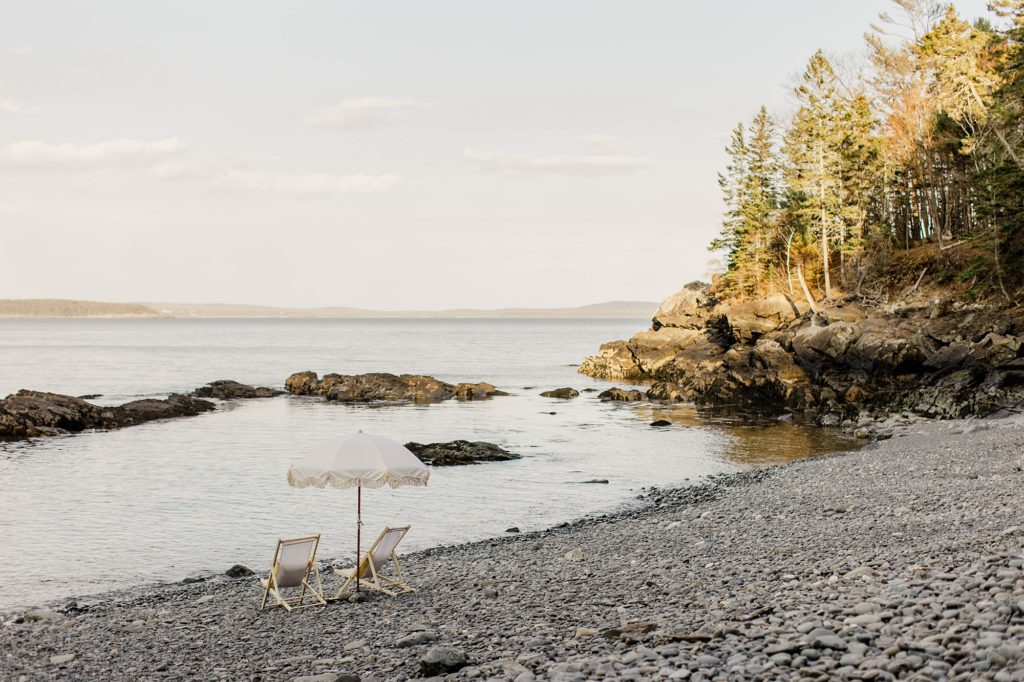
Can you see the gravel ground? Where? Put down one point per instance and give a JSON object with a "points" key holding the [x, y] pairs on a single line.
{"points": [[902, 560]]}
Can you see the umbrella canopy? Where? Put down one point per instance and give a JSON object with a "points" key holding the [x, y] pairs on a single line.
{"points": [[358, 460]]}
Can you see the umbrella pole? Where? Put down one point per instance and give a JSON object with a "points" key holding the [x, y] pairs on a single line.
{"points": [[359, 529]]}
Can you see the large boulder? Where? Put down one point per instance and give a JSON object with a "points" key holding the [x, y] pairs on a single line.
{"points": [[769, 355], [885, 350], [750, 320], [685, 309], [613, 361], [813, 345], [653, 349], [460, 452], [302, 383]]}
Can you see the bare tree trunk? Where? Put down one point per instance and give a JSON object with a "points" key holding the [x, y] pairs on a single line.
{"points": [[999, 272], [807, 292], [789, 274], [824, 223], [995, 128]]}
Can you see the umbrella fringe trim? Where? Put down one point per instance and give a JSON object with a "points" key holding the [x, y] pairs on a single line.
{"points": [[342, 484]]}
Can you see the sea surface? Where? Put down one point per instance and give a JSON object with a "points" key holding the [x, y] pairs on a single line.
{"points": [[99, 511]]}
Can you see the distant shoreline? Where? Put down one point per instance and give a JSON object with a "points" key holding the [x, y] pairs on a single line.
{"points": [[70, 309]]}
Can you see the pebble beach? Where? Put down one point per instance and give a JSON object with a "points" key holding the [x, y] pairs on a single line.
{"points": [[903, 560]]}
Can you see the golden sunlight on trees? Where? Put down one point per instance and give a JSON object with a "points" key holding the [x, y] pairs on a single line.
{"points": [[922, 148]]}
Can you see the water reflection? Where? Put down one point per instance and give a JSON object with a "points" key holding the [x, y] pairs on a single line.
{"points": [[753, 440]]}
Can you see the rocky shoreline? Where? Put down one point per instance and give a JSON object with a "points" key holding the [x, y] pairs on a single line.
{"points": [[846, 364], [36, 414], [381, 386], [900, 560]]}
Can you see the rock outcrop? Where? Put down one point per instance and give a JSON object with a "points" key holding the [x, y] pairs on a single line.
{"points": [[566, 393], [379, 386], [459, 452], [30, 414], [226, 389], [845, 362]]}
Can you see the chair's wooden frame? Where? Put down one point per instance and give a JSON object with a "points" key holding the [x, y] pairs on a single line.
{"points": [[368, 575], [295, 601]]}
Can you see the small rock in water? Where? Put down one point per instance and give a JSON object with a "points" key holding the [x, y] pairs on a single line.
{"points": [[563, 393], [442, 660], [597, 480], [513, 529], [661, 422], [238, 571], [862, 433]]}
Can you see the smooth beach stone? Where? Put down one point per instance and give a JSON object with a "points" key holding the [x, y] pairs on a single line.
{"points": [[443, 660], [42, 615]]}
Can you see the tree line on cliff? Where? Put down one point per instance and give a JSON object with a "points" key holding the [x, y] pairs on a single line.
{"points": [[922, 146]]}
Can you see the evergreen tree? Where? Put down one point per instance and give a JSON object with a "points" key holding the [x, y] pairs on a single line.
{"points": [[814, 161]]}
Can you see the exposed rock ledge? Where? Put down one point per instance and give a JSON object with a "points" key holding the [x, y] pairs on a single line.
{"points": [[364, 388], [459, 452], [225, 389], [31, 414], [844, 363]]}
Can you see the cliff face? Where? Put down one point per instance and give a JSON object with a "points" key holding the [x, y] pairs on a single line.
{"points": [[845, 362]]}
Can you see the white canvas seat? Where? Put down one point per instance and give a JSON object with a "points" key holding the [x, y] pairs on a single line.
{"points": [[373, 562], [294, 562]]}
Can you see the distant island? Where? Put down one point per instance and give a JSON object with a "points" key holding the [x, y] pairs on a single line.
{"points": [[71, 308], [58, 307]]}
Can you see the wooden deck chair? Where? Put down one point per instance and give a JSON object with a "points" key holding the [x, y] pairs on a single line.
{"points": [[381, 552], [294, 561]]}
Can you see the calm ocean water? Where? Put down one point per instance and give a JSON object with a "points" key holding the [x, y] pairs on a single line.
{"points": [[104, 510]]}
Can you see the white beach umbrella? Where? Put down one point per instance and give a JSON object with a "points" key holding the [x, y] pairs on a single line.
{"points": [[356, 461]]}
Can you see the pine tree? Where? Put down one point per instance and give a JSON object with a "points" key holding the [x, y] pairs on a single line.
{"points": [[814, 161], [750, 191], [733, 183]]}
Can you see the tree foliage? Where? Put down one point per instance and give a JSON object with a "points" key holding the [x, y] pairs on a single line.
{"points": [[923, 147]]}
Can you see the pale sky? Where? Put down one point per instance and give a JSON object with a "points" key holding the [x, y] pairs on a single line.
{"points": [[393, 155]]}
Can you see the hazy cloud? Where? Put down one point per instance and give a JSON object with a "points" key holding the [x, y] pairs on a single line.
{"points": [[306, 183], [605, 144], [363, 113], [21, 50], [39, 154], [587, 165], [9, 106]]}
